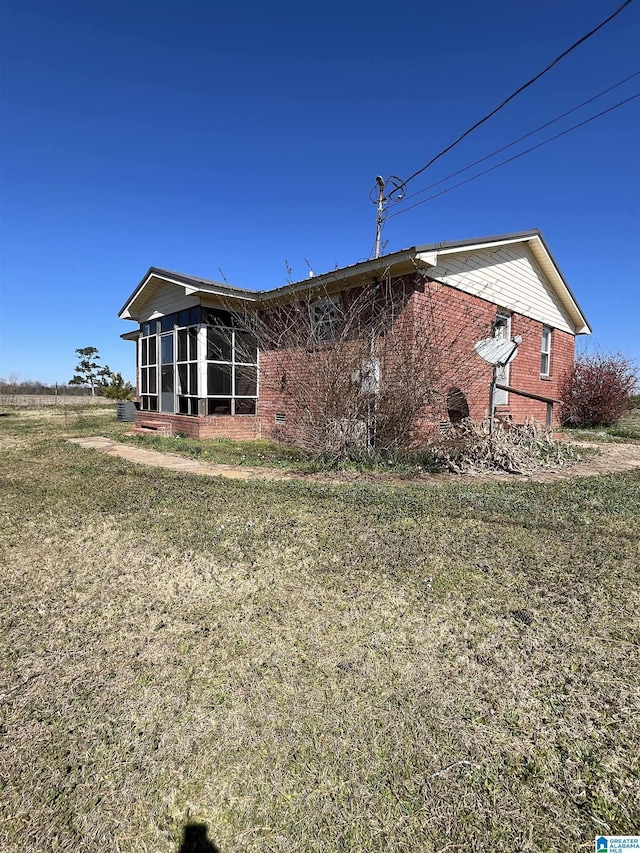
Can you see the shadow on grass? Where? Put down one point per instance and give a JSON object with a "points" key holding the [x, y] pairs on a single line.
{"points": [[194, 840]]}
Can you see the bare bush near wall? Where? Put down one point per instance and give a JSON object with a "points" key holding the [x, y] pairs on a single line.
{"points": [[366, 372]]}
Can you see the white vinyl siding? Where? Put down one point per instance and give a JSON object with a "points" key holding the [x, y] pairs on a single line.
{"points": [[507, 276], [167, 299]]}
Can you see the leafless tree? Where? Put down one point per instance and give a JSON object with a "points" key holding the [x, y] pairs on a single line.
{"points": [[366, 371]]}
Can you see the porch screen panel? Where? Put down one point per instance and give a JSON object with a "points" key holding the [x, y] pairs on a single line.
{"points": [[232, 371], [166, 374]]}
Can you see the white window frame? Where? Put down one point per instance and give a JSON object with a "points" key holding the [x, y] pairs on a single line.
{"points": [[190, 360], [502, 374], [545, 352], [145, 370]]}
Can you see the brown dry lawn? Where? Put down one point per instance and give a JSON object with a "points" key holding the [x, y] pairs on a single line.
{"points": [[304, 667]]}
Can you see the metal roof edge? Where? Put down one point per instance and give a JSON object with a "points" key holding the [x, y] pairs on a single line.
{"points": [[564, 282], [341, 273], [350, 272], [463, 244], [180, 278]]}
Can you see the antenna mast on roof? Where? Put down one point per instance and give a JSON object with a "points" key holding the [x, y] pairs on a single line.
{"points": [[381, 198]]}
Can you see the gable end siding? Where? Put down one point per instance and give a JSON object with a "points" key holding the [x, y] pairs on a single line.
{"points": [[507, 276], [167, 299]]}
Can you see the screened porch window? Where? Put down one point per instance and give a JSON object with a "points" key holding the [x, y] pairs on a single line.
{"points": [[149, 368], [187, 370], [195, 361], [232, 371]]}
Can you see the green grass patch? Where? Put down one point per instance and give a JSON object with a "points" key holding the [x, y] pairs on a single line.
{"points": [[270, 454], [626, 430], [225, 451], [304, 667]]}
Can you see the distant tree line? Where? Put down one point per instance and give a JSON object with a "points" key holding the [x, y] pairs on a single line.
{"points": [[29, 386], [90, 379]]}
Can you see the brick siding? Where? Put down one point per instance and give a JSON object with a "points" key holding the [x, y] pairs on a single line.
{"points": [[454, 321], [240, 427]]}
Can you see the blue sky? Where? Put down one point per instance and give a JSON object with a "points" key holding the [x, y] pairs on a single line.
{"points": [[199, 136]]}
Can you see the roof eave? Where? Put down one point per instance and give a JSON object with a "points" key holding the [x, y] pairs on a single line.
{"points": [[406, 258], [563, 290], [191, 286], [398, 262], [535, 239]]}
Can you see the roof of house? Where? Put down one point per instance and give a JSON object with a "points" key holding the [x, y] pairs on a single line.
{"points": [[425, 256]]}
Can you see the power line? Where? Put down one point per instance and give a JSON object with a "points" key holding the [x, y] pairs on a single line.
{"points": [[515, 156], [518, 91], [521, 138]]}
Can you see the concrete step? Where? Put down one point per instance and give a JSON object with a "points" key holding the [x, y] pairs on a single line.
{"points": [[157, 428]]}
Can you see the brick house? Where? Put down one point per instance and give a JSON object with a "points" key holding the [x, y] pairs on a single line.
{"points": [[200, 371]]}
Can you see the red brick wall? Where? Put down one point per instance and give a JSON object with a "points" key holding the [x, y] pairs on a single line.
{"points": [[458, 320], [240, 427], [470, 320], [455, 321], [438, 324], [452, 322], [525, 370]]}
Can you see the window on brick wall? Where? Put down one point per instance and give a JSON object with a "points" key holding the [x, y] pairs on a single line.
{"points": [[325, 318], [545, 352], [502, 331]]}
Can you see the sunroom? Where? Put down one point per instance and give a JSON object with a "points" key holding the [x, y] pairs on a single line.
{"points": [[195, 361]]}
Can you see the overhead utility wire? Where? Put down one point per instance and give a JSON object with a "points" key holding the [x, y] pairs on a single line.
{"points": [[520, 138], [518, 91], [515, 156]]}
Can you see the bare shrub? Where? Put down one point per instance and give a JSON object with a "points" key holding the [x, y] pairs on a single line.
{"points": [[366, 372], [597, 390], [9, 391], [469, 448]]}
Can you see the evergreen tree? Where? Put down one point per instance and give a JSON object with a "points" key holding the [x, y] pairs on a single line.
{"points": [[89, 372]]}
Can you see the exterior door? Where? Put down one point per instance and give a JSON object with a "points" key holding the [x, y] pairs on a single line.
{"points": [[503, 332], [167, 395]]}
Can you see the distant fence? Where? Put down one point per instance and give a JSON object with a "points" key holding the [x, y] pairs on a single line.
{"points": [[36, 401]]}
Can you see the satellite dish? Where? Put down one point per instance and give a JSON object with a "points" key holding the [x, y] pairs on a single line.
{"points": [[497, 350]]}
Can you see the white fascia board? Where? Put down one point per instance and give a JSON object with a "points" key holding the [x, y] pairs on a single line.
{"points": [[474, 247], [429, 259], [561, 289], [190, 289], [125, 314]]}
